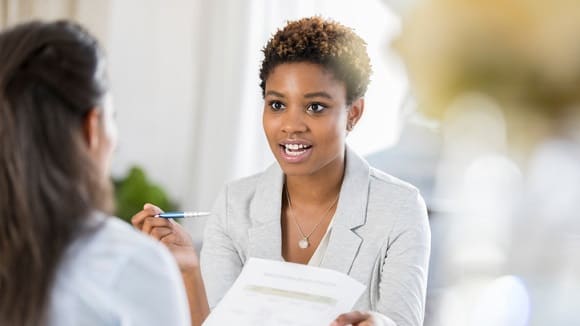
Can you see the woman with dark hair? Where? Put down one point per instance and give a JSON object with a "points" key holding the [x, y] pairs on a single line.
{"points": [[321, 204], [63, 261]]}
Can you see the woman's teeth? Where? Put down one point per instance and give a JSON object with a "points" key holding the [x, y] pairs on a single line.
{"points": [[295, 149]]}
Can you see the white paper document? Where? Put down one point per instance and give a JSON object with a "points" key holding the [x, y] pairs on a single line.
{"points": [[271, 292]]}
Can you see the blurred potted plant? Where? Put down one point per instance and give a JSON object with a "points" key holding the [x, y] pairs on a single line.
{"points": [[134, 190]]}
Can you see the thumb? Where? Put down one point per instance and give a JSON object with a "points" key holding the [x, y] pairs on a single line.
{"points": [[153, 208]]}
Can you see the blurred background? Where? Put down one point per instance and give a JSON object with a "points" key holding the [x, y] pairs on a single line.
{"points": [[486, 126], [503, 79]]}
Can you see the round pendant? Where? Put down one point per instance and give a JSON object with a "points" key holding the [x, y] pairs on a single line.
{"points": [[303, 243]]}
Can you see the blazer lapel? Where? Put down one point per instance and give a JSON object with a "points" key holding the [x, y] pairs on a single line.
{"points": [[344, 243], [265, 235]]}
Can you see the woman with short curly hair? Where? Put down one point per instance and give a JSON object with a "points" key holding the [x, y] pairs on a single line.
{"points": [[321, 204]]}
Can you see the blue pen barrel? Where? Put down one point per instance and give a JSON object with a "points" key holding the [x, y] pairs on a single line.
{"points": [[182, 214]]}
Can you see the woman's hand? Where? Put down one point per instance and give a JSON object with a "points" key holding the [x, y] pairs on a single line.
{"points": [[362, 318], [179, 243], [170, 233]]}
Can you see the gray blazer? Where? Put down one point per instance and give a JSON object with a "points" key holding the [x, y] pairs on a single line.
{"points": [[380, 236]]}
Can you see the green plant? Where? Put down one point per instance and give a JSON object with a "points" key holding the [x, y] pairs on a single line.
{"points": [[135, 190]]}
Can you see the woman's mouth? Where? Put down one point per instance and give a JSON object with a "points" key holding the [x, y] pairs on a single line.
{"points": [[295, 152]]}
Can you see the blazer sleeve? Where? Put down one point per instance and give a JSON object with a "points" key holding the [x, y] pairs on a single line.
{"points": [[404, 271], [220, 262]]}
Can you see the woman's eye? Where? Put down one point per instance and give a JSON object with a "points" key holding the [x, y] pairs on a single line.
{"points": [[276, 106], [316, 108]]}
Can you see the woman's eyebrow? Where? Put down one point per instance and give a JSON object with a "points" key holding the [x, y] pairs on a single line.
{"points": [[318, 94], [274, 93]]}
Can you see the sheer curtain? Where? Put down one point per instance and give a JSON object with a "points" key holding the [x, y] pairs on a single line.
{"points": [[93, 14]]}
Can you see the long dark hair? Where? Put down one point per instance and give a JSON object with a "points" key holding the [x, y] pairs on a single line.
{"points": [[51, 76]]}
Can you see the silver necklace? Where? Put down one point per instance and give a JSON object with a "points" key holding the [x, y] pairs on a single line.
{"points": [[304, 242]]}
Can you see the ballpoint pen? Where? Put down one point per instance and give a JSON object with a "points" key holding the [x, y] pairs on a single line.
{"points": [[182, 214]]}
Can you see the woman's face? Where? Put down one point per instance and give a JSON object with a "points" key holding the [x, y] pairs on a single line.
{"points": [[305, 118]]}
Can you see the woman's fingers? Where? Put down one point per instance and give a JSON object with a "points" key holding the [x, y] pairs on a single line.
{"points": [[168, 239], [353, 318], [160, 232], [151, 207], [149, 210], [137, 219], [149, 223], [363, 318]]}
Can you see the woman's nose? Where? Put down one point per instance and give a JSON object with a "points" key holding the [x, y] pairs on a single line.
{"points": [[294, 121]]}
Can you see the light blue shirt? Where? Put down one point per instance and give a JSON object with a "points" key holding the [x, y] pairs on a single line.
{"points": [[117, 276]]}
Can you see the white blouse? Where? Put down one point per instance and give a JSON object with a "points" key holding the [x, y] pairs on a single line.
{"points": [[318, 254], [117, 276]]}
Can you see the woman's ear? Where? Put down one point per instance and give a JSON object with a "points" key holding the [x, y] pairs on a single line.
{"points": [[355, 112], [91, 128]]}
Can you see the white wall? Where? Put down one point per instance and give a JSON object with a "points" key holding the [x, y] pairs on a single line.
{"points": [[152, 55]]}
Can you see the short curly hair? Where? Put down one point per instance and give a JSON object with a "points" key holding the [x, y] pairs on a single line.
{"points": [[325, 42]]}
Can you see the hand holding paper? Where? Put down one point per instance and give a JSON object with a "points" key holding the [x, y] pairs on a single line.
{"points": [[286, 294]]}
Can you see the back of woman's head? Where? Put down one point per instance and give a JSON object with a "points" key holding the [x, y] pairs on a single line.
{"points": [[51, 76]]}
